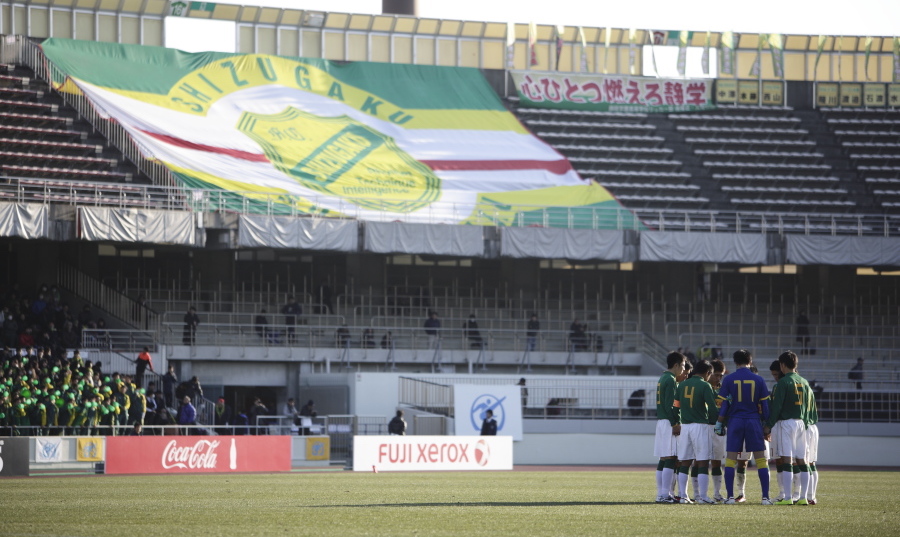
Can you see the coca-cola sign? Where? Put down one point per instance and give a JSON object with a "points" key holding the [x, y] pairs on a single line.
{"points": [[184, 454], [202, 454]]}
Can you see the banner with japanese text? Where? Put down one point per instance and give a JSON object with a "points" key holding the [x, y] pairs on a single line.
{"points": [[616, 93]]}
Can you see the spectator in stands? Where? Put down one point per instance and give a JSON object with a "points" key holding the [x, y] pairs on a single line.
{"points": [[342, 337], [309, 409], [290, 409], [471, 332], [10, 331], [577, 336], [368, 338], [524, 392], [85, 316], [194, 390], [104, 339], [489, 425], [191, 322], [223, 417], [258, 409], [432, 329], [144, 360], [69, 337], [170, 381], [636, 402], [262, 327], [137, 430], [802, 323], [397, 425], [856, 373], [290, 311], [387, 340], [187, 415], [534, 326]]}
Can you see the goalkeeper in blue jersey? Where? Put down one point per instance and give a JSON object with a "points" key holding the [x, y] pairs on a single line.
{"points": [[744, 396]]}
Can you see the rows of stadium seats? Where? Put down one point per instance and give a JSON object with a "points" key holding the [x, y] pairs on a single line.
{"points": [[54, 155], [620, 150], [734, 158], [869, 138]]}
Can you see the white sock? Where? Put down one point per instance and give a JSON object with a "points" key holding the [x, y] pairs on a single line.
{"points": [[717, 485], [778, 484], [682, 484], [787, 483], [668, 478], [739, 481], [813, 485], [659, 480], [795, 490], [703, 480], [695, 482], [804, 484]]}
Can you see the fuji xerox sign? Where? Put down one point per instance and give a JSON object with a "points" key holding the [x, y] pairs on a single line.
{"points": [[417, 453]]}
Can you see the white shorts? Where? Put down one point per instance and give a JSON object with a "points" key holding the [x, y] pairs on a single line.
{"points": [[792, 439], [812, 444], [664, 445], [718, 447], [773, 444], [695, 442]]}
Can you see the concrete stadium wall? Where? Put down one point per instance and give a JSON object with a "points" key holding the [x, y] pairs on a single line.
{"points": [[590, 449]]}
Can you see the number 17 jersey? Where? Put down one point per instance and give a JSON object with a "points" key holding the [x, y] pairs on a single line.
{"points": [[744, 394]]}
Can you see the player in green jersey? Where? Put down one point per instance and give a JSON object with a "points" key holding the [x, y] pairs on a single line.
{"points": [[697, 406], [790, 411], [668, 427]]}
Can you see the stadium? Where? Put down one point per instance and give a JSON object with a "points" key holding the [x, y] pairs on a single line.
{"points": [[368, 213]]}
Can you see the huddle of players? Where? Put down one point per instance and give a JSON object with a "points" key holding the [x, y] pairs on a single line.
{"points": [[699, 428]]}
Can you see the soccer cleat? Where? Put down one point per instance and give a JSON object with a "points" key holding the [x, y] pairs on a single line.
{"points": [[730, 501], [705, 501], [665, 499], [719, 499], [784, 502], [812, 502], [740, 499], [685, 500], [802, 501], [766, 501]]}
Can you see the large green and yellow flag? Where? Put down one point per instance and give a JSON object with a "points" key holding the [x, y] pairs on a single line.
{"points": [[375, 141]]}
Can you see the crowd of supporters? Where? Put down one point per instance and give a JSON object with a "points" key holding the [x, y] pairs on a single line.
{"points": [[43, 392]]}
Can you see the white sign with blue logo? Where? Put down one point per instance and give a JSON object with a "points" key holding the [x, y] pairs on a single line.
{"points": [[48, 449], [471, 403]]}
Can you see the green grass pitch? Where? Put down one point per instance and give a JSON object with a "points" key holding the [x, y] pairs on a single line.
{"points": [[525, 503]]}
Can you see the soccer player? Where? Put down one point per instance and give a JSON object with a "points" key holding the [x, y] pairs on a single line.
{"points": [[697, 406], [718, 454], [790, 410], [667, 428], [744, 397], [812, 449], [775, 370]]}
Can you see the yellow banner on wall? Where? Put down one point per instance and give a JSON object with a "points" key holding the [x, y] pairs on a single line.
{"points": [[89, 449], [773, 93], [318, 448], [748, 92], [726, 91], [874, 94], [894, 95], [826, 94], [851, 95]]}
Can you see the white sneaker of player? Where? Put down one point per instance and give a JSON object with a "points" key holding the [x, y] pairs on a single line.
{"points": [[766, 501], [719, 499], [685, 500], [730, 501], [705, 500]]}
